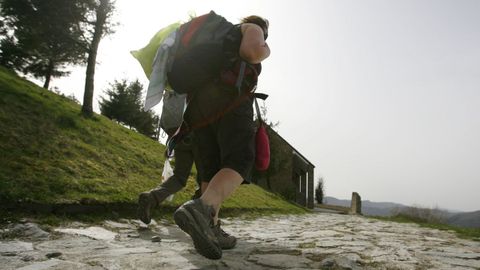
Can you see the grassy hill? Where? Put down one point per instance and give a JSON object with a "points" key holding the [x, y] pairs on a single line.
{"points": [[50, 154], [467, 220]]}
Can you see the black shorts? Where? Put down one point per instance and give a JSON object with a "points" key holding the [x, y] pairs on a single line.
{"points": [[224, 130]]}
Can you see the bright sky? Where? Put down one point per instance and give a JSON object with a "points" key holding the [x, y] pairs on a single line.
{"points": [[382, 96]]}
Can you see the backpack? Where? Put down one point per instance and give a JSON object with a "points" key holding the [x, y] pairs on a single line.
{"points": [[174, 105], [201, 57]]}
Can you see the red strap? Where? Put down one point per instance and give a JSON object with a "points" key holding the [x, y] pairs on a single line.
{"points": [[193, 26]]}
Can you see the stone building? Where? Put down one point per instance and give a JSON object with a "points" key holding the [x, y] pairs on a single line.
{"points": [[290, 174]]}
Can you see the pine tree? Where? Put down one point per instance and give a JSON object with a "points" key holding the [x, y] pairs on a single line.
{"points": [[41, 37], [124, 104], [319, 191]]}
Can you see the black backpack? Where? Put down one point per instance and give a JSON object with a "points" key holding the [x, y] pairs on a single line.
{"points": [[201, 57]]}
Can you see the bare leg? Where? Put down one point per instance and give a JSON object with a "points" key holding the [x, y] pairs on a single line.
{"points": [[222, 185]]}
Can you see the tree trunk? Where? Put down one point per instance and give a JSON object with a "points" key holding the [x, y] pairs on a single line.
{"points": [[48, 75], [87, 107]]}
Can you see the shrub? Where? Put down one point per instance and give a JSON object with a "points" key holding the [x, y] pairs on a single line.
{"points": [[419, 214]]}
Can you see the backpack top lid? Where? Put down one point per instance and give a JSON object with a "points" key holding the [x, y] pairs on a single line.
{"points": [[207, 28]]}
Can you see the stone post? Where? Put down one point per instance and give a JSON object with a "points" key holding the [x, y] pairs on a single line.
{"points": [[356, 207]]}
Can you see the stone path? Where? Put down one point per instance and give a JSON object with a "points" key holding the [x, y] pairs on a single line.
{"points": [[313, 241]]}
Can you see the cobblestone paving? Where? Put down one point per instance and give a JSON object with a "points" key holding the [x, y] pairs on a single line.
{"points": [[313, 241]]}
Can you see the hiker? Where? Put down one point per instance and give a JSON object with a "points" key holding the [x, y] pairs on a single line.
{"points": [[186, 153], [224, 131]]}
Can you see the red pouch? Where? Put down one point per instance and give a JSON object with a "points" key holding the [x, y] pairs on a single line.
{"points": [[262, 143], [262, 156]]}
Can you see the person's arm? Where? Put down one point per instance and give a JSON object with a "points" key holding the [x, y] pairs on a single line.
{"points": [[253, 47]]}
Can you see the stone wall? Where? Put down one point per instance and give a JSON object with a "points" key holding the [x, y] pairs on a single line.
{"points": [[278, 177], [289, 174]]}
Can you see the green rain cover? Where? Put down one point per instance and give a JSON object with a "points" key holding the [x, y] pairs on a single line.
{"points": [[146, 55]]}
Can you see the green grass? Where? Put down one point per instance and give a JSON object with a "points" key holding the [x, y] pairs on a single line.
{"points": [[466, 233], [50, 154]]}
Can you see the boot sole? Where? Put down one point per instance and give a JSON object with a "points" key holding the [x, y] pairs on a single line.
{"points": [[207, 248], [230, 246], [143, 202]]}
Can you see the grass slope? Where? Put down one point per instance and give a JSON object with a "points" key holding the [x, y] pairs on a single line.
{"points": [[50, 154]]}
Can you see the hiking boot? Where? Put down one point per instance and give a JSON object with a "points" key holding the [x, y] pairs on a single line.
{"points": [[196, 219], [145, 203], [225, 240]]}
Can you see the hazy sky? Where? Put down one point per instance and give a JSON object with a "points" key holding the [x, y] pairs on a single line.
{"points": [[382, 96]]}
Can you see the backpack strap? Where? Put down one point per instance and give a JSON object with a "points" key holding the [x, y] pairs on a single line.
{"points": [[241, 74], [261, 96], [257, 108], [259, 115]]}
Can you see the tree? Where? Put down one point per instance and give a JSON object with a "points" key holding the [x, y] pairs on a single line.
{"points": [[320, 191], [146, 123], [101, 25], [124, 104], [41, 37]]}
